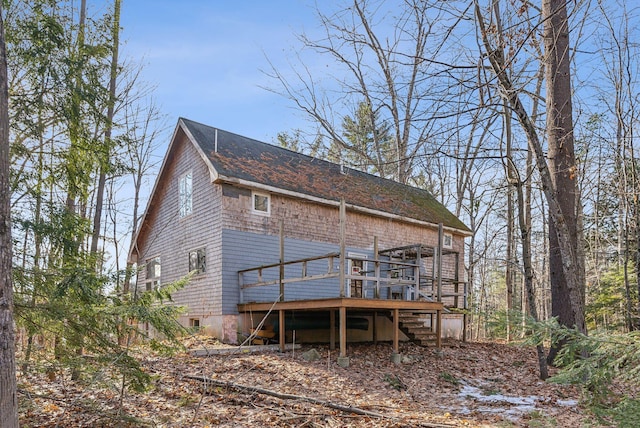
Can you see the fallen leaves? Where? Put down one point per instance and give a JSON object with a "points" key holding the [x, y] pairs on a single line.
{"points": [[426, 389]]}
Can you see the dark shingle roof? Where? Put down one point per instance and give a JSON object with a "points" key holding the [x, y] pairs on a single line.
{"points": [[243, 158]]}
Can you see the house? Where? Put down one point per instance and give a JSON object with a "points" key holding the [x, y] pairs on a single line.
{"points": [[266, 230]]}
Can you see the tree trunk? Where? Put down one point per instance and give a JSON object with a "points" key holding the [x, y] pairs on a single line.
{"points": [[525, 232], [105, 155], [8, 395], [567, 288], [510, 268]]}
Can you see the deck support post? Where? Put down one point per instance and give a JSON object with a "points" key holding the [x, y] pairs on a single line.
{"points": [[438, 329], [281, 329], [374, 328], [343, 331], [396, 330], [332, 329]]}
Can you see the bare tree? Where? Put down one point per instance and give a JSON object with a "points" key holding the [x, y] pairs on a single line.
{"points": [[381, 57], [559, 175], [144, 125], [620, 72]]}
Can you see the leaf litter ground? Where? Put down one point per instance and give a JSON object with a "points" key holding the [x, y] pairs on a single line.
{"points": [[462, 384]]}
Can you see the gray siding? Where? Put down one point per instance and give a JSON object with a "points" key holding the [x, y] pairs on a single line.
{"points": [[244, 250], [172, 237]]}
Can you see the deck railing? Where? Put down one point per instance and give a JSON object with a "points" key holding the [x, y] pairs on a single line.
{"points": [[388, 279]]}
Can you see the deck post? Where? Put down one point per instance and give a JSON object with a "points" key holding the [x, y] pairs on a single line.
{"points": [[440, 242], [376, 269], [396, 330], [464, 314], [434, 292], [343, 220], [456, 279], [281, 329], [332, 329], [282, 260], [416, 293], [343, 331]]}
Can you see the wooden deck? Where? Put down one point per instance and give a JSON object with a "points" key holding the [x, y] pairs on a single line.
{"points": [[343, 304]]}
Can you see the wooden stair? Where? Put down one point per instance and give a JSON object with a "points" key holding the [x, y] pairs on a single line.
{"points": [[414, 325]]}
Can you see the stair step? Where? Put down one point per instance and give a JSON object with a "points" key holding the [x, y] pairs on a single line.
{"points": [[418, 326], [413, 324], [409, 312], [421, 332], [415, 316]]}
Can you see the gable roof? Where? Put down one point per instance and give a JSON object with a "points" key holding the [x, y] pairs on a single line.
{"points": [[238, 159]]}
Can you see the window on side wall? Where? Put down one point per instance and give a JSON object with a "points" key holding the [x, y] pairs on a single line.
{"points": [[153, 274], [260, 203], [447, 240], [186, 194], [198, 260], [194, 323]]}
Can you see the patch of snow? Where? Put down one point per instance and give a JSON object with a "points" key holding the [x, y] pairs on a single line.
{"points": [[567, 403], [473, 392], [509, 406]]}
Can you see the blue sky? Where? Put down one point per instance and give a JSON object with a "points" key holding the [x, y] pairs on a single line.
{"points": [[204, 58]]}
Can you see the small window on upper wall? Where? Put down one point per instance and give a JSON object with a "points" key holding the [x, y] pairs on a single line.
{"points": [[260, 203], [198, 260], [447, 240], [186, 194]]}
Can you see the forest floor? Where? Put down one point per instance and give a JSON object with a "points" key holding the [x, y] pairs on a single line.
{"points": [[463, 384]]}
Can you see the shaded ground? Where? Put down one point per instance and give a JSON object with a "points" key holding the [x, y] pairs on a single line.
{"points": [[464, 384]]}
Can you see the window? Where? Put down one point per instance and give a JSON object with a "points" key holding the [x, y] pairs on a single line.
{"points": [[185, 190], [198, 260], [447, 240], [153, 274], [260, 203], [194, 323]]}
